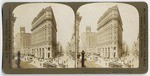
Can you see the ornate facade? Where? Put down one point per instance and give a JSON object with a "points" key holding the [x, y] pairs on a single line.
{"points": [[44, 35], [109, 35], [22, 41], [88, 40]]}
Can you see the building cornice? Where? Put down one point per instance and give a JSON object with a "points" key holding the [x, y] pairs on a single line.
{"points": [[107, 12], [42, 17], [41, 13], [35, 25], [102, 21], [40, 43], [100, 25]]}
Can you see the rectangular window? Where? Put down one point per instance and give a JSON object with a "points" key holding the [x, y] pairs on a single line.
{"points": [[48, 55], [114, 48], [48, 48], [114, 54]]}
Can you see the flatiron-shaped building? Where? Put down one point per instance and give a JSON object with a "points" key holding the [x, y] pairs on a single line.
{"points": [[44, 35], [109, 34]]}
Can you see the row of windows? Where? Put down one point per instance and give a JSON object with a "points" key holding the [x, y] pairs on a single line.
{"points": [[107, 54], [107, 43], [42, 55], [109, 29], [39, 20], [108, 17], [40, 49], [111, 24], [41, 37], [25, 41], [106, 35], [106, 49], [40, 33], [106, 40]]}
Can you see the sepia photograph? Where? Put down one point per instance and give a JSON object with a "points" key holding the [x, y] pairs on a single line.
{"points": [[98, 35], [108, 36], [75, 37], [41, 36]]}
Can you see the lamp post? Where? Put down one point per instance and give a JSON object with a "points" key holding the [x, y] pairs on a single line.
{"points": [[82, 60]]}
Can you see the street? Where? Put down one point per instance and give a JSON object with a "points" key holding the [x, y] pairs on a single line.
{"points": [[23, 64], [91, 64]]}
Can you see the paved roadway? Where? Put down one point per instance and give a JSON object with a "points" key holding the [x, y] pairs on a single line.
{"points": [[23, 64], [91, 64]]}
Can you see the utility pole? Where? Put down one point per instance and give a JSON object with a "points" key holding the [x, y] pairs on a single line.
{"points": [[78, 19]]}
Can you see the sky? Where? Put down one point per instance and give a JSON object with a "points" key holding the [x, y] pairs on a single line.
{"points": [[64, 16], [92, 12]]}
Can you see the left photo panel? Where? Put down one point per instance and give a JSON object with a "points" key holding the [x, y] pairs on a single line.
{"points": [[42, 35]]}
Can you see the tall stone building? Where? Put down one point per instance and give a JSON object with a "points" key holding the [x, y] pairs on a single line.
{"points": [[88, 40], [22, 41], [109, 35], [44, 34]]}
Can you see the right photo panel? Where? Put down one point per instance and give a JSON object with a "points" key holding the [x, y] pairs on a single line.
{"points": [[107, 36]]}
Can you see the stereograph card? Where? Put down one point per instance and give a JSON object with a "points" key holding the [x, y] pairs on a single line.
{"points": [[75, 37]]}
